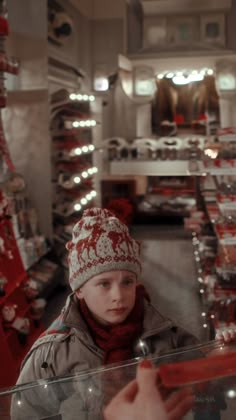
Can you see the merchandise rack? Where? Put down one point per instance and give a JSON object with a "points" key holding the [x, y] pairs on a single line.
{"points": [[73, 169]]}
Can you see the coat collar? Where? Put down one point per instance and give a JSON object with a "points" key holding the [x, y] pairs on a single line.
{"points": [[154, 322]]}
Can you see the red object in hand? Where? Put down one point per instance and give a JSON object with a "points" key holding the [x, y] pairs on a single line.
{"points": [[198, 370]]}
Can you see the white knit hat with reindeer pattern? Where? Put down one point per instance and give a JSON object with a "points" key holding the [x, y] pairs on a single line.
{"points": [[100, 243]]}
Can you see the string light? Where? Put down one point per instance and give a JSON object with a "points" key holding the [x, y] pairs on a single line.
{"points": [[77, 151], [84, 200], [76, 179], [81, 97], [84, 149], [184, 77], [83, 123], [77, 207]]}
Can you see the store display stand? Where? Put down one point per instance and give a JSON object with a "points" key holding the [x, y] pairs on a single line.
{"points": [[73, 169]]}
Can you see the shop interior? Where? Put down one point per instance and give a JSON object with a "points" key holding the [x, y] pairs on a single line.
{"points": [[130, 107]]}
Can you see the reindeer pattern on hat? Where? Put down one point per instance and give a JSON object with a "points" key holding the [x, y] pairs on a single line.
{"points": [[100, 242]]}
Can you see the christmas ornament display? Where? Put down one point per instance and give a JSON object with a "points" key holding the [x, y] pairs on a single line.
{"points": [[12, 321]]}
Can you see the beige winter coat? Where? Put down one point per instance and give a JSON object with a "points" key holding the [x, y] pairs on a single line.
{"points": [[72, 350]]}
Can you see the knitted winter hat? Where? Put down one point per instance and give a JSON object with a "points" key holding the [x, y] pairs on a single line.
{"points": [[100, 242]]}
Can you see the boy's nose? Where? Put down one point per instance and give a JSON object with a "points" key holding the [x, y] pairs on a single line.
{"points": [[116, 293]]}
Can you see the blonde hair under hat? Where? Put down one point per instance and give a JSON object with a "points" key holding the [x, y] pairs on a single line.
{"points": [[100, 242]]}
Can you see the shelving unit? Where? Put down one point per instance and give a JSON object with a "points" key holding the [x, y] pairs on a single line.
{"points": [[215, 252], [73, 168], [24, 252]]}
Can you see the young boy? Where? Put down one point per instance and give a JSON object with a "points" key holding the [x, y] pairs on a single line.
{"points": [[108, 318]]}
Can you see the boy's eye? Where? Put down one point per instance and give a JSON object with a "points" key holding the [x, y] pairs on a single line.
{"points": [[128, 281], [104, 284]]}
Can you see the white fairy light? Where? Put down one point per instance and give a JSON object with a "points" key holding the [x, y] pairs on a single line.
{"points": [[170, 75], [201, 291], [79, 97], [95, 169], [93, 193], [203, 313], [84, 174], [204, 325], [85, 149], [77, 207], [83, 201], [85, 97], [78, 151], [91, 147], [77, 180], [93, 123], [73, 96], [210, 72], [90, 171], [91, 98], [160, 76], [75, 124], [82, 123]]}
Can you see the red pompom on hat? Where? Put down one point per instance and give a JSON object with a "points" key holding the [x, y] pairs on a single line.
{"points": [[100, 243]]}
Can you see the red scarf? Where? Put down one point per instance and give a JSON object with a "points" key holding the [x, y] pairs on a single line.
{"points": [[117, 340]]}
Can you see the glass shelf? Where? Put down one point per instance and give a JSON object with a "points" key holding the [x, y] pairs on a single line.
{"points": [[209, 368]]}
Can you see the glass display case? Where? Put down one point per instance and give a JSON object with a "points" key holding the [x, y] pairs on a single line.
{"points": [[209, 368]]}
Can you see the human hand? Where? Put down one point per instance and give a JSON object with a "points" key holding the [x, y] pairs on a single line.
{"points": [[141, 399]]}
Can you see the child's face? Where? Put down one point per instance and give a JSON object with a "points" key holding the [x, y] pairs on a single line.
{"points": [[110, 296]]}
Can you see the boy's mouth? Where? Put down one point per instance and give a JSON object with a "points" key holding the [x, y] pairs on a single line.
{"points": [[117, 310]]}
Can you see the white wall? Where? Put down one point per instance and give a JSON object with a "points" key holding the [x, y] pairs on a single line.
{"points": [[108, 9], [26, 117]]}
